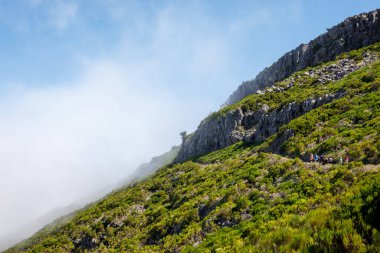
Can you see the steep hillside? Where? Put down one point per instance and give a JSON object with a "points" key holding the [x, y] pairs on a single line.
{"points": [[258, 192], [260, 115], [353, 33]]}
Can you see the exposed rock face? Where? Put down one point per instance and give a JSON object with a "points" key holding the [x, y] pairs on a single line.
{"points": [[340, 69], [326, 74], [250, 126], [255, 126], [212, 135], [353, 33]]}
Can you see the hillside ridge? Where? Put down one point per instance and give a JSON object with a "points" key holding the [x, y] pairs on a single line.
{"points": [[353, 33], [253, 119]]}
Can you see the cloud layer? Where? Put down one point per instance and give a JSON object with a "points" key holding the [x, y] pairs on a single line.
{"points": [[70, 142]]}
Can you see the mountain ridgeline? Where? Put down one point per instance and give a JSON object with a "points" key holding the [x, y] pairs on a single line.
{"points": [[244, 180], [353, 33], [238, 124]]}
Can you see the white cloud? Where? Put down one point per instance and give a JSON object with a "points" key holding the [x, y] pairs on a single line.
{"points": [[62, 142]]}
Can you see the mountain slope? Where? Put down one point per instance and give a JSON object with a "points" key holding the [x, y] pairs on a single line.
{"points": [[260, 115], [260, 195], [353, 33]]}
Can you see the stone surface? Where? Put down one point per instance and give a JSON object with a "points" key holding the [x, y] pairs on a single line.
{"points": [[326, 74], [249, 126], [353, 33]]}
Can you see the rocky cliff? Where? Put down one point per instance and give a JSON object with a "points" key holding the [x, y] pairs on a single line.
{"points": [[249, 126], [353, 33], [256, 124]]}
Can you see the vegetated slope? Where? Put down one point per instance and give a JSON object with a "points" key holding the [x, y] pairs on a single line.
{"points": [[260, 196], [260, 115]]}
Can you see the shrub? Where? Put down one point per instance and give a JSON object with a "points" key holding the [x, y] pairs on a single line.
{"points": [[368, 77]]}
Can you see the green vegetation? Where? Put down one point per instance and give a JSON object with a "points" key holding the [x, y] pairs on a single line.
{"points": [[242, 199], [249, 203], [346, 127]]}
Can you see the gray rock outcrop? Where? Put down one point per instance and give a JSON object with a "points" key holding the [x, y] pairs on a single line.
{"points": [[353, 33], [249, 126], [255, 126], [330, 73]]}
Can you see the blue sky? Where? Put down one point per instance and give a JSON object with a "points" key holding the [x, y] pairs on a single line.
{"points": [[89, 91], [45, 42]]}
